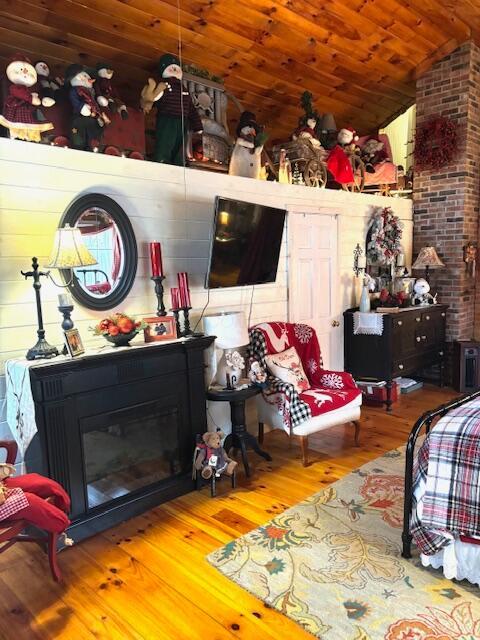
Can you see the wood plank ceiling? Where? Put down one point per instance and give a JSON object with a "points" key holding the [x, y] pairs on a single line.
{"points": [[359, 58]]}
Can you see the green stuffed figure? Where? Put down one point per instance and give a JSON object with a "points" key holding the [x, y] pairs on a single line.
{"points": [[176, 114]]}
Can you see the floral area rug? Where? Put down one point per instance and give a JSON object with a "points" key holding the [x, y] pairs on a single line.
{"points": [[332, 563]]}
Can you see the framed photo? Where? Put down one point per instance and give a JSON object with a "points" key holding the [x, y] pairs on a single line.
{"points": [[74, 343], [160, 328]]}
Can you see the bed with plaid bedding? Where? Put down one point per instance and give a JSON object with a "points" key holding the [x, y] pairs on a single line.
{"points": [[447, 481]]}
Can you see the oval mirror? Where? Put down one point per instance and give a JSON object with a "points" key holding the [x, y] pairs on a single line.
{"points": [[108, 235]]}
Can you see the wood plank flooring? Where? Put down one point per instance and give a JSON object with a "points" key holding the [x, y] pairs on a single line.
{"points": [[147, 579]]}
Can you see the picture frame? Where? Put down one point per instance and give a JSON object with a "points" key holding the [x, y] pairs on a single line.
{"points": [[74, 343], [160, 328]]}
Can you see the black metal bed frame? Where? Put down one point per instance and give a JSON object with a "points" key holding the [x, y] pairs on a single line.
{"points": [[424, 421]]}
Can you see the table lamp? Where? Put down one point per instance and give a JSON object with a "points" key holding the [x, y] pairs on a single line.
{"points": [[230, 329], [68, 252], [428, 259]]}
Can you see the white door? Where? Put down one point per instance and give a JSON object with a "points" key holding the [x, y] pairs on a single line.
{"points": [[313, 281]]}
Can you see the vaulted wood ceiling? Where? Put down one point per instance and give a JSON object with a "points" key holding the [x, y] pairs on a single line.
{"points": [[359, 58]]}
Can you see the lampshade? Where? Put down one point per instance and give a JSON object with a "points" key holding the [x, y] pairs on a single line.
{"points": [[327, 122], [427, 258], [69, 250], [230, 328]]}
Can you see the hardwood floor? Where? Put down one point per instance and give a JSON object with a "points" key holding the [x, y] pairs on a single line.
{"points": [[148, 579]]}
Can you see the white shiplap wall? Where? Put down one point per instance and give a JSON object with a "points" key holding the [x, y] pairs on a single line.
{"points": [[166, 203]]}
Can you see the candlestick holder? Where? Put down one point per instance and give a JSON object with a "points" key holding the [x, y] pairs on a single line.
{"points": [[176, 314], [41, 349], [187, 331], [159, 293], [67, 322]]}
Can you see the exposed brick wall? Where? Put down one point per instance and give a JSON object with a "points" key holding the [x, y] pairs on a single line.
{"points": [[446, 201]]}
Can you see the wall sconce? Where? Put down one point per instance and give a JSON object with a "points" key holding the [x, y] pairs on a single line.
{"points": [[68, 252], [470, 257], [359, 260]]}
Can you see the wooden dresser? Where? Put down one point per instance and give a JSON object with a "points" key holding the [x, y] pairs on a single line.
{"points": [[412, 339]]}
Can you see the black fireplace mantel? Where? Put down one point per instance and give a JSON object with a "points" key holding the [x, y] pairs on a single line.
{"points": [[159, 387]]}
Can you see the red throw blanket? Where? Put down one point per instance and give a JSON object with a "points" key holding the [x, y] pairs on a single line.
{"points": [[329, 389]]}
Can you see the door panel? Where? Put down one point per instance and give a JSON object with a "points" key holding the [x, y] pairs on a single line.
{"points": [[312, 281]]}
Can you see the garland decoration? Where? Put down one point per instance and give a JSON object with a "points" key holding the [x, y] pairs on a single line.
{"points": [[385, 234], [435, 143]]}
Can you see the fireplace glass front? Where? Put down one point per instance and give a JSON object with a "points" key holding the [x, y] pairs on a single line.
{"points": [[128, 449]]}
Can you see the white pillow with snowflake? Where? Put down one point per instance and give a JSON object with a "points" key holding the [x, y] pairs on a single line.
{"points": [[288, 367]]}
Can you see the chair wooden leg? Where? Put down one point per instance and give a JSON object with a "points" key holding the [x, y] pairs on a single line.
{"points": [[52, 556], [304, 444], [260, 432], [356, 424]]}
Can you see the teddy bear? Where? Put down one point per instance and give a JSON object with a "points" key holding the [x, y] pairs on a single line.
{"points": [[21, 113], [6, 470], [212, 457], [338, 162]]}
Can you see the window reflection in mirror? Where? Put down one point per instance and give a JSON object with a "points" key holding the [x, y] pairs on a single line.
{"points": [[103, 239]]}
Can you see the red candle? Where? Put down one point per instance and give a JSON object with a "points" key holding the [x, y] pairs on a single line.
{"points": [[184, 291], [156, 259], [175, 298]]}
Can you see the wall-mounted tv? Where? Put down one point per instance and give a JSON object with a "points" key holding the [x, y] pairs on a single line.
{"points": [[245, 245]]}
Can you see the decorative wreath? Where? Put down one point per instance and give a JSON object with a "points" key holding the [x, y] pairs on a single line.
{"points": [[385, 235], [435, 143]]}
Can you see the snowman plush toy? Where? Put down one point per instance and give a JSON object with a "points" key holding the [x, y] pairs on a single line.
{"points": [[421, 293], [48, 86], [106, 92], [22, 115], [246, 160], [88, 118], [176, 114]]}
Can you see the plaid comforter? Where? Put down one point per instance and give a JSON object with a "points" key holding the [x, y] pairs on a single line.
{"points": [[447, 480]]}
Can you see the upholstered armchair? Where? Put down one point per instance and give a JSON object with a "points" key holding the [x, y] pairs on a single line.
{"points": [[317, 399]]}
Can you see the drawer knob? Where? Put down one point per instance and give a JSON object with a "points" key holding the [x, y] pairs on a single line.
{"points": [[440, 353], [418, 339], [399, 323], [400, 366], [424, 337], [428, 317], [417, 319], [443, 314]]}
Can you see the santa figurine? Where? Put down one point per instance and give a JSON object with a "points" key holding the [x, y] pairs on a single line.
{"points": [[338, 162], [21, 113], [88, 119], [176, 114], [308, 122], [247, 152], [106, 92], [48, 86]]}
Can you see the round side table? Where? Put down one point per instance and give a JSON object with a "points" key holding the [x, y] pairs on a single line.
{"points": [[240, 438]]}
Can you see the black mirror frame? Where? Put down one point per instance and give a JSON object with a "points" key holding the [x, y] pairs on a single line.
{"points": [[71, 215]]}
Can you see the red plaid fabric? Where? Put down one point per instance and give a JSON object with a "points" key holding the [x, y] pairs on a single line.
{"points": [[447, 480], [15, 500], [18, 106]]}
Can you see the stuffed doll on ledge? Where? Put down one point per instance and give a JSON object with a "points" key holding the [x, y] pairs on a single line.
{"points": [[210, 457]]}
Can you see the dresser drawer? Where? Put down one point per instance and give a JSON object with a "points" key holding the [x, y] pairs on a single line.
{"points": [[406, 366]]}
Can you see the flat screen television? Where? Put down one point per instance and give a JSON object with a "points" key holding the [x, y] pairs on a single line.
{"points": [[245, 244]]}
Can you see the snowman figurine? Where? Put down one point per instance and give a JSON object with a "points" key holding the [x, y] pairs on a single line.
{"points": [[176, 114], [421, 293], [88, 119], [21, 114], [48, 87], [107, 95], [246, 158]]}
